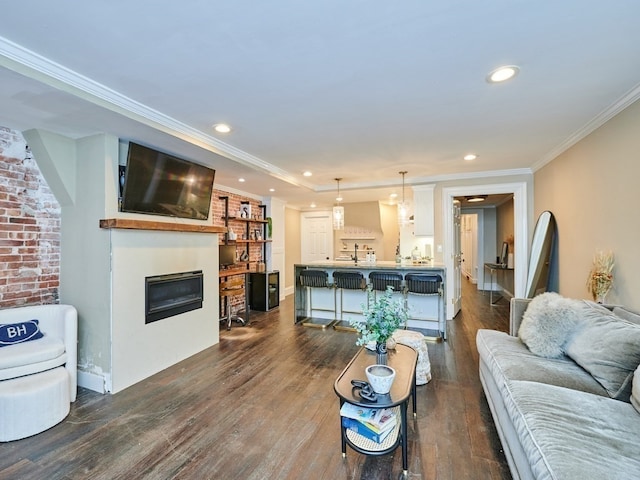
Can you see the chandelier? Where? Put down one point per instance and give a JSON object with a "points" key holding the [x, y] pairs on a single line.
{"points": [[338, 211], [403, 207]]}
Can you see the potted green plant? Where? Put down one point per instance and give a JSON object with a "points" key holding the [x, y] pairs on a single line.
{"points": [[382, 316], [269, 226]]}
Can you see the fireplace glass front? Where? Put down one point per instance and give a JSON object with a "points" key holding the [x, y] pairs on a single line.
{"points": [[172, 294]]}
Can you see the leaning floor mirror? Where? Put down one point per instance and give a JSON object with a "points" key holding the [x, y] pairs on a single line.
{"points": [[542, 247]]}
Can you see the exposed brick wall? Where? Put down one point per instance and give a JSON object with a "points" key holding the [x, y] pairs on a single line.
{"points": [[29, 228], [255, 249]]}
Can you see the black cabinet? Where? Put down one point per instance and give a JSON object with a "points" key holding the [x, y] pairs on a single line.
{"points": [[265, 290]]}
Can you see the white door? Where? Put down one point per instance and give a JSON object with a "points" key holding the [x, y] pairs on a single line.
{"points": [[316, 237], [457, 260], [469, 246]]}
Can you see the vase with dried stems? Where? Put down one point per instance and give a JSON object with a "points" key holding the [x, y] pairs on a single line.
{"points": [[600, 278]]}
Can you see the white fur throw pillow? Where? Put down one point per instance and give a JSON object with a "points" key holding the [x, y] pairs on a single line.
{"points": [[547, 324], [635, 390]]}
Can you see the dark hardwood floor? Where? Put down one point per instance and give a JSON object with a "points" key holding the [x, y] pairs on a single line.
{"points": [[260, 405]]}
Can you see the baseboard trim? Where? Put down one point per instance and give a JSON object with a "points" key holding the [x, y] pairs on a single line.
{"points": [[91, 381]]}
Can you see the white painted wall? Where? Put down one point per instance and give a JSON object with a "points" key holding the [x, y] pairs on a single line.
{"points": [[276, 249], [138, 349]]}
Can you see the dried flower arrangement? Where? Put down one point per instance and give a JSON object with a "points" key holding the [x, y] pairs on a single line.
{"points": [[600, 278], [510, 241]]}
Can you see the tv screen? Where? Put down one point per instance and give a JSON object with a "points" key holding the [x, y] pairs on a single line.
{"points": [[157, 183], [226, 255]]}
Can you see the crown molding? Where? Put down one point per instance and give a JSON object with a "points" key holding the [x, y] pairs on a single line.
{"points": [[603, 117], [35, 66], [418, 181]]}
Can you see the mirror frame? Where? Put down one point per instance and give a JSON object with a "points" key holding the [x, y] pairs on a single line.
{"points": [[541, 252]]}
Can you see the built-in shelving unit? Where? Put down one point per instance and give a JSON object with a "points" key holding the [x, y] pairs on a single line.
{"points": [[250, 234], [367, 237]]}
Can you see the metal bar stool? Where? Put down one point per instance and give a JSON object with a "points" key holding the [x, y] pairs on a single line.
{"points": [[421, 285], [379, 282], [347, 281], [317, 279]]}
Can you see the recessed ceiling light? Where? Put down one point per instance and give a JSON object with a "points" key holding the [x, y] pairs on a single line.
{"points": [[313, 205], [470, 156], [272, 189], [502, 74], [476, 198], [222, 128], [241, 180], [393, 195], [307, 173]]}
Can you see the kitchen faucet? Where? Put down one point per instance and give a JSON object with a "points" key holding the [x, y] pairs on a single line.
{"points": [[355, 250]]}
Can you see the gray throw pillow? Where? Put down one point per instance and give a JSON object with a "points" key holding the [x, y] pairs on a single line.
{"points": [[547, 323], [635, 390], [627, 314], [607, 347]]}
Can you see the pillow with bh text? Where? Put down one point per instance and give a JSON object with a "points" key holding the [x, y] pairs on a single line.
{"points": [[12, 333]]}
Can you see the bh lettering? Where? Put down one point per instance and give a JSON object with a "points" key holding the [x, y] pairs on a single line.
{"points": [[15, 331]]}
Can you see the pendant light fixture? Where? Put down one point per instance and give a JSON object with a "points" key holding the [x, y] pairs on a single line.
{"points": [[338, 210], [403, 208]]}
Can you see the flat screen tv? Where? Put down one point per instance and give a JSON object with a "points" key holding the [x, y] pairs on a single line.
{"points": [[226, 255], [157, 183]]}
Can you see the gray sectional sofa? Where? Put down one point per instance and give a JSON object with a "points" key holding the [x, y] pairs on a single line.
{"points": [[564, 389]]}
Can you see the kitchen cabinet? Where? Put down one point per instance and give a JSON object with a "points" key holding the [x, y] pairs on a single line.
{"points": [[423, 210]]}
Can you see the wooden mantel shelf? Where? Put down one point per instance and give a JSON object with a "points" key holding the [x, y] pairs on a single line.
{"points": [[166, 226]]}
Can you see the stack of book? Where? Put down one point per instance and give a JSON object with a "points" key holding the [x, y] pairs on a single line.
{"points": [[373, 423]]}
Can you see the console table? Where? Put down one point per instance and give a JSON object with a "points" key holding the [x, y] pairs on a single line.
{"points": [[494, 268], [403, 359]]}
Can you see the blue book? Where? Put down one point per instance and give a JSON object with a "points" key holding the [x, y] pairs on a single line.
{"points": [[361, 429]]}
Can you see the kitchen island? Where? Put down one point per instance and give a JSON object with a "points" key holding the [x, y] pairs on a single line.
{"points": [[321, 300]]}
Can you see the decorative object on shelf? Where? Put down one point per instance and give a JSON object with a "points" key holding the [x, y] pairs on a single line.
{"points": [[382, 316], [380, 378], [600, 278], [269, 226], [244, 256], [403, 208], [245, 210], [510, 242]]}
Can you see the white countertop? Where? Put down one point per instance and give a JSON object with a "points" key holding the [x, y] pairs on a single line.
{"points": [[381, 265]]}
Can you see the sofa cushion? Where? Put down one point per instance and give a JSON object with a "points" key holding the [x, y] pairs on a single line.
{"points": [[547, 323], [608, 347], [635, 390], [571, 434], [42, 350], [508, 359], [12, 333]]}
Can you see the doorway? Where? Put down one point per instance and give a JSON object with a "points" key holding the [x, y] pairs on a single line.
{"points": [[316, 236], [521, 235]]}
